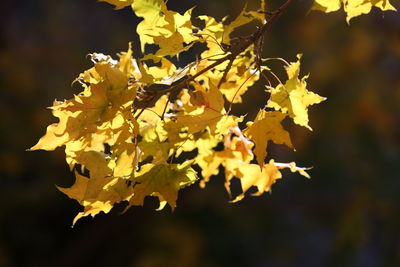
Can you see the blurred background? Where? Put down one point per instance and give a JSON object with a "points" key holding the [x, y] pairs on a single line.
{"points": [[346, 215]]}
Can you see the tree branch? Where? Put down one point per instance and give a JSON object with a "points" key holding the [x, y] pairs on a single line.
{"points": [[252, 39]]}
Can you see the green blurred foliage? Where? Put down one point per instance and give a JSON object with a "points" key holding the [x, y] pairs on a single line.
{"points": [[346, 215]]}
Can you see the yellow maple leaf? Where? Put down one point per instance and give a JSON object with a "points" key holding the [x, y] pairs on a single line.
{"points": [[96, 163], [204, 142], [83, 115], [111, 72], [163, 27], [99, 192], [89, 114], [184, 26], [237, 151], [263, 178], [117, 133], [170, 46], [114, 191], [198, 122], [126, 159], [90, 142], [267, 127], [92, 206], [180, 32], [152, 13], [114, 78], [293, 97], [78, 190], [210, 115], [128, 65], [76, 117], [163, 180], [152, 145], [215, 121], [240, 76]]}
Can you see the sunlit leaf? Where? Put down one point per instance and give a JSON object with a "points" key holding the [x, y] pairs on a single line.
{"points": [[293, 97], [267, 127], [163, 180]]}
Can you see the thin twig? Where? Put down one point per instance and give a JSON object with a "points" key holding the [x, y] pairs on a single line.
{"points": [[140, 113], [228, 67], [165, 108]]}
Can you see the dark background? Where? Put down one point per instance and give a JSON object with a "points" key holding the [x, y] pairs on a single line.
{"points": [[346, 215]]}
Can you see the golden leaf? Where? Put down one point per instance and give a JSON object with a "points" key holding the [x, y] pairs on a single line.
{"points": [[267, 127], [263, 178], [293, 98], [99, 192], [163, 180]]}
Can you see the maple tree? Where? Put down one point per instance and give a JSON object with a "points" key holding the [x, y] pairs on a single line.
{"points": [[129, 134]]}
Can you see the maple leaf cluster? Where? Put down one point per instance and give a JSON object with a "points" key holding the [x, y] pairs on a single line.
{"points": [[127, 134]]}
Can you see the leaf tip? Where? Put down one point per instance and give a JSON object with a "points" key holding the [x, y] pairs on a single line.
{"points": [[237, 199]]}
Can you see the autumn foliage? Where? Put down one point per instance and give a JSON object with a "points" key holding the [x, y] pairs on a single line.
{"points": [[125, 132]]}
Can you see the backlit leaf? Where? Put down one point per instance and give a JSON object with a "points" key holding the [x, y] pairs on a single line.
{"points": [[267, 127], [163, 180], [293, 97]]}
